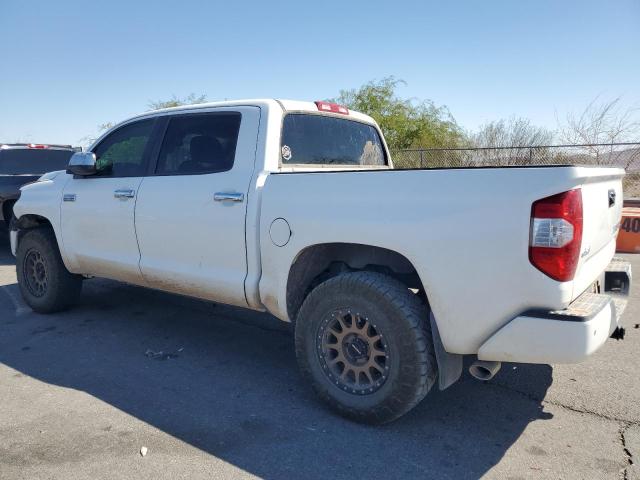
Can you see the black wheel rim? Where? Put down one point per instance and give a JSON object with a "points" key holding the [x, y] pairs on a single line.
{"points": [[35, 273], [353, 352]]}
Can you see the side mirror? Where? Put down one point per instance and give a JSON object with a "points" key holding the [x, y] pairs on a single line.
{"points": [[82, 163]]}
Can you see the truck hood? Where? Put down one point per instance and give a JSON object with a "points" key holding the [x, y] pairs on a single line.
{"points": [[47, 177]]}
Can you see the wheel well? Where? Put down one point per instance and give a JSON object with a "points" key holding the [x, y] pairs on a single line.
{"points": [[27, 222], [318, 263]]}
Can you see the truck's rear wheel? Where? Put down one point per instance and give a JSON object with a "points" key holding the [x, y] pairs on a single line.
{"points": [[45, 283], [364, 342]]}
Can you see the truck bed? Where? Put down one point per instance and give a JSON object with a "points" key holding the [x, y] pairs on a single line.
{"points": [[465, 230]]}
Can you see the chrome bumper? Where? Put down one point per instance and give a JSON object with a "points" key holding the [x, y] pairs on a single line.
{"points": [[569, 335]]}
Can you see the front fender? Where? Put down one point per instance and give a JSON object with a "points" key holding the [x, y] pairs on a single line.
{"points": [[39, 203]]}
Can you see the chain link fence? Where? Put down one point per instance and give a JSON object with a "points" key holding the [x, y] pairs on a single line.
{"points": [[624, 155]]}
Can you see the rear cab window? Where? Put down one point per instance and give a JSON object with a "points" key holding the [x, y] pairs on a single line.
{"points": [[323, 140]]}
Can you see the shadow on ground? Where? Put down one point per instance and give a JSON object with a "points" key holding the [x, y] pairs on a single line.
{"points": [[225, 381]]}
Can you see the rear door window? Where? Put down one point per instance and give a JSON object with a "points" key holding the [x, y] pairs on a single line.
{"points": [[324, 140], [25, 161], [199, 143]]}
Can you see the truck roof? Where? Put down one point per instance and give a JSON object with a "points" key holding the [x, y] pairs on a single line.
{"points": [[285, 105]]}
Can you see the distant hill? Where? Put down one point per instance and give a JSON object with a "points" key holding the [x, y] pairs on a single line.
{"points": [[628, 158]]}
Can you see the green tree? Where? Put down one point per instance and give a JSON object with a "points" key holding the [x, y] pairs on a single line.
{"points": [[175, 101], [406, 123]]}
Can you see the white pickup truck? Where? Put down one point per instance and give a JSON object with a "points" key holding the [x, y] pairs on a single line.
{"points": [[390, 276]]}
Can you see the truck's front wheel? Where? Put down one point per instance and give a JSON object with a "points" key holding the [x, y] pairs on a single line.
{"points": [[45, 283], [364, 341]]}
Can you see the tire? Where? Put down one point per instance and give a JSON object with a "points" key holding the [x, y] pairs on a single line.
{"points": [[352, 318], [45, 283]]}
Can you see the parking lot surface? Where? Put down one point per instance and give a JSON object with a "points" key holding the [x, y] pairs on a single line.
{"points": [[214, 392]]}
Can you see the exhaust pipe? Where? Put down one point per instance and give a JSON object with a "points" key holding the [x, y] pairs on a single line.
{"points": [[484, 371]]}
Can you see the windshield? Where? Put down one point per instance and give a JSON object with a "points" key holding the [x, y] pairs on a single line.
{"points": [[24, 161], [325, 140]]}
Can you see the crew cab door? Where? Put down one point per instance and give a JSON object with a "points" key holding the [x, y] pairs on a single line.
{"points": [[190, 214], [98, 231]]}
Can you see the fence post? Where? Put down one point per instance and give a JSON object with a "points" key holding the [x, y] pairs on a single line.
{"points": [[530, 156], [421, 158]]}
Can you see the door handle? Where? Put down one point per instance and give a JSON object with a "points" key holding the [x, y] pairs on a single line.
{"points": [[228, 196], [124, 193]]}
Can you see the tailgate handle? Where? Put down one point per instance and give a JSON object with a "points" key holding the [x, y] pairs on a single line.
{"points": [[612, 198]]}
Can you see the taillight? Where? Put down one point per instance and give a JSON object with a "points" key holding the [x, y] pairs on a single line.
{"points": [[556, 234], [38, 146], [331, 107]]}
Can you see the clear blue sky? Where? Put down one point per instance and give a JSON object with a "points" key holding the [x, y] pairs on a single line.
{"points": [[68, 66]]}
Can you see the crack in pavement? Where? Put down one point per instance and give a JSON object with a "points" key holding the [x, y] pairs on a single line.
{"points": [[624, 424], [562, 405], [627, 452], [623, 430]]}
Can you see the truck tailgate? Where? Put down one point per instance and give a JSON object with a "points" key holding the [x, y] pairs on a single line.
{"points": [[602, 200]]}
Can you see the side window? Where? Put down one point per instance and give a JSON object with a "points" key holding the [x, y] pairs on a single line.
{"points": [[122, 153], [199, 143]]}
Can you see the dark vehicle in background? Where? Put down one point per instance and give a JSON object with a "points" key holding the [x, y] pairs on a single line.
{"points": [[21, 163]]}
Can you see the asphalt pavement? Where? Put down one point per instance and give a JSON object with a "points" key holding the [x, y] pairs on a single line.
{"points": [[213, 392]]}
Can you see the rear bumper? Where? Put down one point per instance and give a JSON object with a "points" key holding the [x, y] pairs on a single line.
{"points": [[564, 336]]}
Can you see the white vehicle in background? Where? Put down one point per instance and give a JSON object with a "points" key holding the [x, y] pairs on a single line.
{"points": [[390, 276]]}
